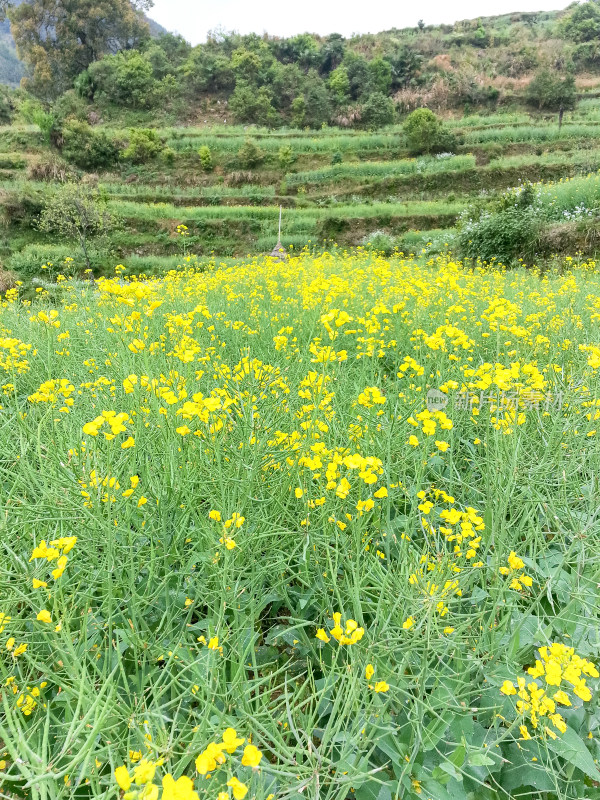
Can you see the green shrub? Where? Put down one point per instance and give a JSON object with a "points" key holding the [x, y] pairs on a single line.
{"points": [[425, 133], [551, 91], [377, 111], [8, 105], [33, 260], [286, 156], [504, 232], [582, 24], [380, 241], [336, 158], [168, 155], [22, 206], [124, 79], [12, 161], [87, 148], [250, 155], [144, 145], [206, 161], [47, 121]]}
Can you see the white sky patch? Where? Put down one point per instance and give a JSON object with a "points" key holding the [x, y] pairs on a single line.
{"points": [[194, 18]]}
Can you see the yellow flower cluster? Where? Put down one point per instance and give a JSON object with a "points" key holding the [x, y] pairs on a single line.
{"points": [[109, 483], [53, 392], [558, 666], [11, 646], [235, 521], [116, 423], [349, 634], [28, 698], [14, 355], [57, 551], [518, 579], [371, 396], [138, 783]]}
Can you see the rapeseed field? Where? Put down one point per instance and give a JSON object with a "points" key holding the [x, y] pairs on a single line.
{"points": [[326, 528]]}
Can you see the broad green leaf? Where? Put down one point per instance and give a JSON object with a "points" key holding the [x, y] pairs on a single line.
{"points": [[574, 750]]}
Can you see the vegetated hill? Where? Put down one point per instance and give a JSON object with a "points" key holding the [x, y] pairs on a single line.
{"points": [[363, 81], [318, 125]]}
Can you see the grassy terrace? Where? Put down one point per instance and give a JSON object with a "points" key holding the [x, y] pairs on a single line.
{"points": [[334, 184]]}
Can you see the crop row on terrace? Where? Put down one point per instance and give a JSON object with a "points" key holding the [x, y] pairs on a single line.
{"points": [[232, 209]]}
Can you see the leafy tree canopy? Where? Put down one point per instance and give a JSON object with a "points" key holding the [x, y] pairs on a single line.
{"points": [[59, 39]]}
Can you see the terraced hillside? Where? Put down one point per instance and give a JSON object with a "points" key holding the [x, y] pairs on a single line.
{"points": [[226, 185]]}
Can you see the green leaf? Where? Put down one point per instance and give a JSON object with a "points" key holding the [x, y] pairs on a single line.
{"points": [[434, 790], [480, 760], [451, 770], [432, 734], [521, 770], [574, 750], [458, 756], [373, 790]]}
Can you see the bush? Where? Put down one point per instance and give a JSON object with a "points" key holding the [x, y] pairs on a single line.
{"points": [[168, 155], [250, 155], [380, 241], [124, 79], [78, 213], [87, 148], [377, 112], [50, 168], [506, 231], [144, 145], [35, 114], [8, 105], [425, 133], [21, 206], [206, 161], [336, 158], [298, 109], [28, 262], [248, 104], [582, 24], [551, 91], [286, 156]]}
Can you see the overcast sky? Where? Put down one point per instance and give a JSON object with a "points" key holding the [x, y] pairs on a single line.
{"points": [[194, 18]]}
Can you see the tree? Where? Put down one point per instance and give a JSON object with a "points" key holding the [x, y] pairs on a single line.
{"points": [[302, 50], [298, 109], [251, 105], [551, 91], [124, 79], [405, 64], [583, 23], [359, 75], [377, 111], [332, 53], [339, 84], [207, 71], [425, 133], [77, 213], [318, 103], [380, 73], [58, 39]]}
